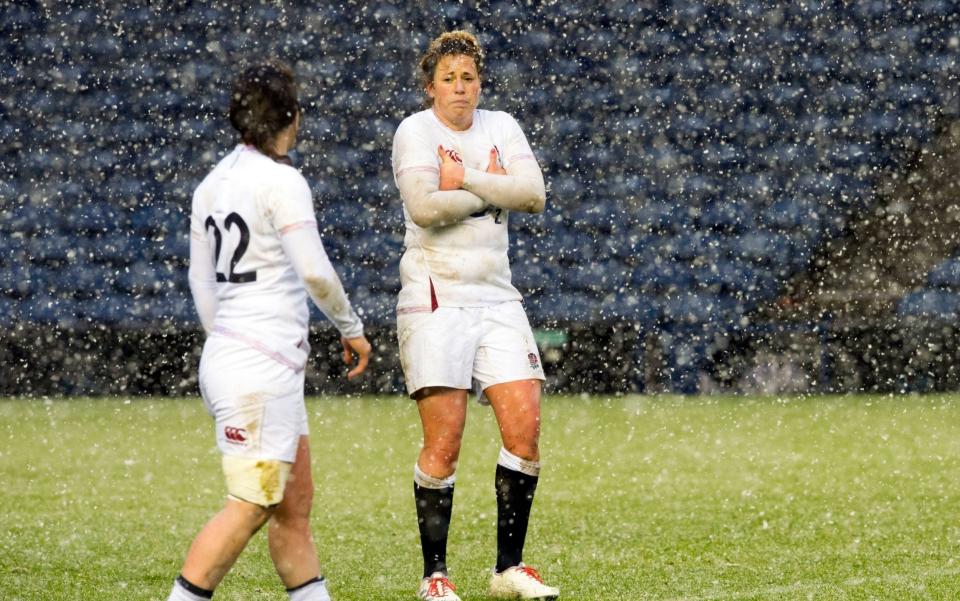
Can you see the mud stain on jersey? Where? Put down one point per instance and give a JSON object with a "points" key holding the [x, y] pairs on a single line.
{"points": [[319, 288], [402, 335], [444, 267], [488, 266], [269, 479]]}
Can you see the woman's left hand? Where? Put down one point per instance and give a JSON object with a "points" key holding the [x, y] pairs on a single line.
{"points": [[494, 165], [360, 347]]}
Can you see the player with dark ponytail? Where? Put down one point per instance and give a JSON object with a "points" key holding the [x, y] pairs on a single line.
{"points": [[255, 258], [263, 103]]}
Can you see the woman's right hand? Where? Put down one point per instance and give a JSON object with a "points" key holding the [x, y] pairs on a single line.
{"points": [[359, 345], [451, 171]]}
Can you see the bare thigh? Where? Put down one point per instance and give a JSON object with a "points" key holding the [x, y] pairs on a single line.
{"points": [[516, 406], [443, 414]]}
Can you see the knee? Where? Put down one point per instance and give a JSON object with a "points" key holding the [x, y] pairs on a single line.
{"points": [[443, 450], [247, 515], [288, 521], [523, 441], [295, 513], [438, 465], [444, 446]]}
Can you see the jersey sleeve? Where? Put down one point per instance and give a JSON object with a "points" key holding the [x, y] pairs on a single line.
{"points": [[291, 208], [522, 188], [516, 148], [305, 250], [201, 274], [412, 152], [290, 203]]}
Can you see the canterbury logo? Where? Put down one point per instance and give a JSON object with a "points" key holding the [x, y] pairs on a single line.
{"points": [[235, 435], [534, 362]]}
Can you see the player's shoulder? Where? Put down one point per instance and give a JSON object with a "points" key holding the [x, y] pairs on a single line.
{"points": [[415, 123], [209, 180], [262, 171], [219, 167], [285, 181], [286, 173], [414, 134], [497, 118], [257, 173]]}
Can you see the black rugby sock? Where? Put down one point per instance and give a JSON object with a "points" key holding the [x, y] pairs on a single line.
{"points": [[515, 492], [434, 507]]}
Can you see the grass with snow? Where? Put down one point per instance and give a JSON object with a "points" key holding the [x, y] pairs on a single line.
{"points": [[640, 498]]}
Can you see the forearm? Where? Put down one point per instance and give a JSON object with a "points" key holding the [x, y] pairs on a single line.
{"points": [[310, 261], [327, 293], [205, 300], [203, 284], [522, 189], [430, 207]]}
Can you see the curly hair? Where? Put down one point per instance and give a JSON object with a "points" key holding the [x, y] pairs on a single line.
{"points": [[263, 102], [449, 44]]}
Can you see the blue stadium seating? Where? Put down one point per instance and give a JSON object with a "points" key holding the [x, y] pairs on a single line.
{"points": [[696, 155], [946, 275], [939, 298], [931, 304]]}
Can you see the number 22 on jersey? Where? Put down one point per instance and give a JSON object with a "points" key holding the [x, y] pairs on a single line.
{"points": [[231, 275]]}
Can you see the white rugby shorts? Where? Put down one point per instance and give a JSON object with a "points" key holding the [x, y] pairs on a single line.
{"points": [[256, 402], [467, 347]]}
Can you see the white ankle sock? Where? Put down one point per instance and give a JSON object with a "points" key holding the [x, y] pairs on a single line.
{"points": [[181, 593], [314, 590]]}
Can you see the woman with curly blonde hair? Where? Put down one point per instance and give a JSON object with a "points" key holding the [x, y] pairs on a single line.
{"points": [[460, 171]]}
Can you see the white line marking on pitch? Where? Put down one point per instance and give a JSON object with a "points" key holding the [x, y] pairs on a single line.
{"points": [[801, 586]]}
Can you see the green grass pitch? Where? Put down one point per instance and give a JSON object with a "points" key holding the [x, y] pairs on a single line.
{"points": [[640, 498]]}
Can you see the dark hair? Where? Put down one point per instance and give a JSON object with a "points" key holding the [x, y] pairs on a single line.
{"points": [[449, 44], [263, 102]]}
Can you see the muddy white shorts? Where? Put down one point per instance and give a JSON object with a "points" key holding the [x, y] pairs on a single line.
{"points": [[467, 347], [256, 401]]}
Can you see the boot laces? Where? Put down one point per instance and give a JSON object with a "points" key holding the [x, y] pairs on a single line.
{"points": [[438, 586], [531, 572]]}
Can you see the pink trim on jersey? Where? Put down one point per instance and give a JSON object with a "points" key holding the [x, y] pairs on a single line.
{"points": [[406, 310], [434, 305], [196, 236], [522, 157], [297, 226], [418, 168], [256, 344]]}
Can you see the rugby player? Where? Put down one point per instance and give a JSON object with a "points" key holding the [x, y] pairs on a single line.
{"points": [[255, 256], [460, 323]]}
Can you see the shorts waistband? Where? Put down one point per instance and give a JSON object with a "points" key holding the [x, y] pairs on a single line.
{"points": [[259, 346]]}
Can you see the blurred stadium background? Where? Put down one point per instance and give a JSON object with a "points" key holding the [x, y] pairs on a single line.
{"points": [[744, 196]]}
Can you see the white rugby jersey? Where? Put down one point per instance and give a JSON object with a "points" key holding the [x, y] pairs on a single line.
{"points": [[465, 263], [244, 265]]}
